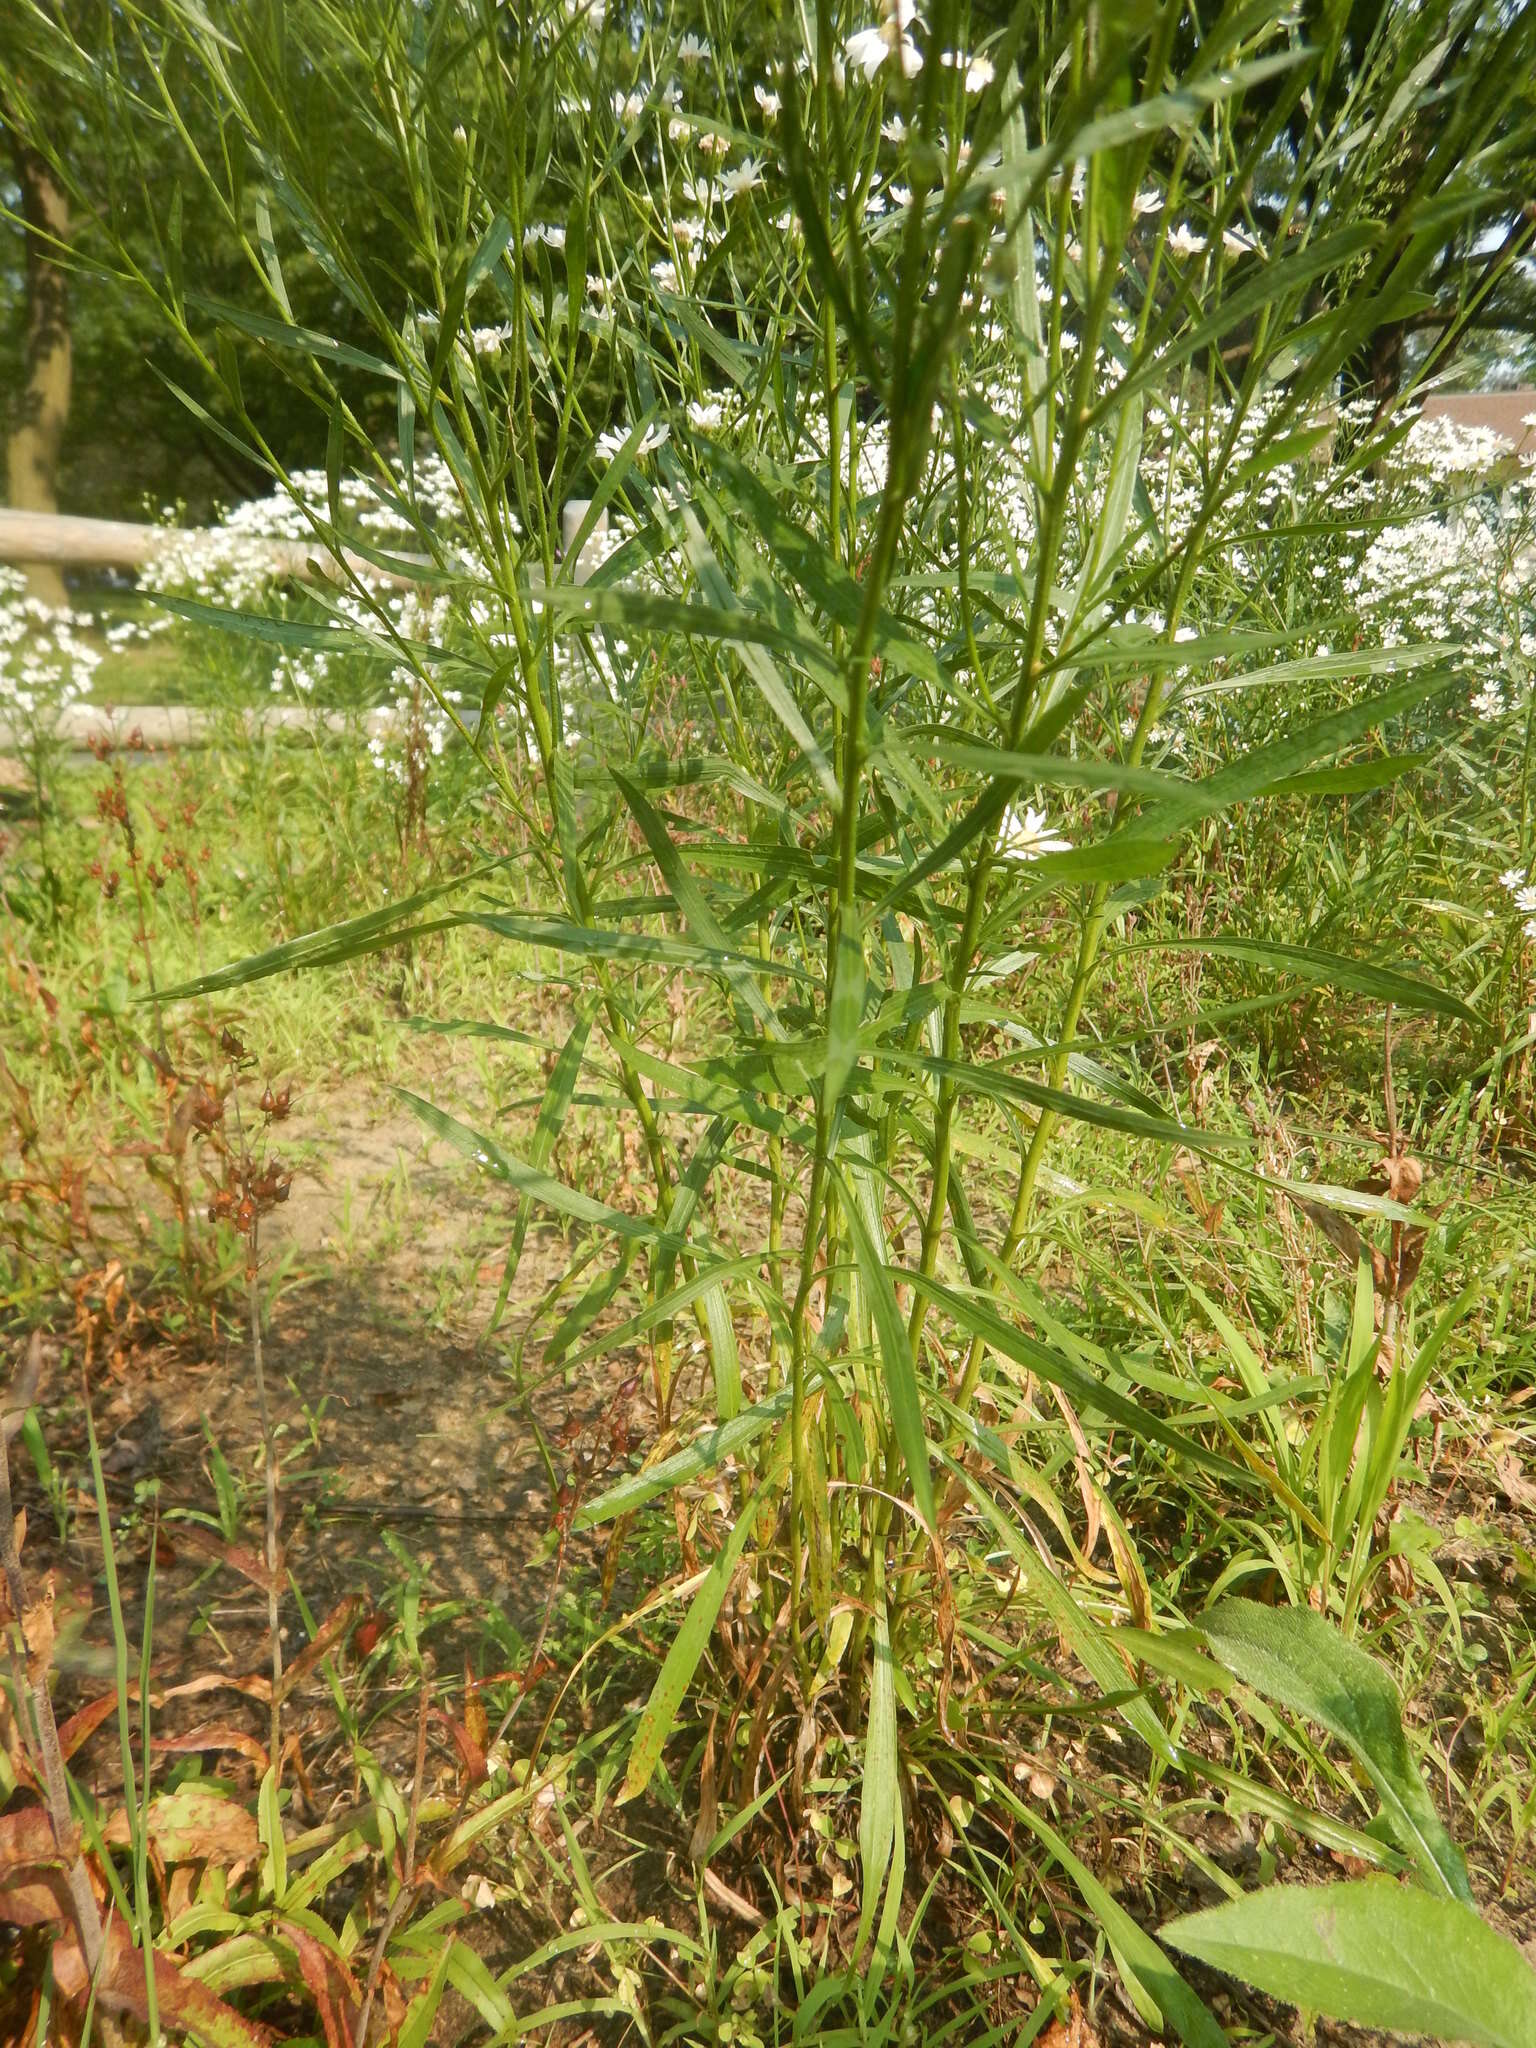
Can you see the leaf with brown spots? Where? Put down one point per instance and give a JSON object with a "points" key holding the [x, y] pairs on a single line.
{"points": [[329, 1982], [193, 1826]]}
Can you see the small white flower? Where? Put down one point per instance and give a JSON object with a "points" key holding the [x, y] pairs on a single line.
{"points": [[678, 131], [769, 102], [979, 71], [665, 274], [609, 444], [1027, 837], [692, 50], [868, 48], [743, 178], [714, 145], [629, 106], [865, 50], [1183, 241], [1525, 899], [544, 231], [705, 413], [894, 130]]}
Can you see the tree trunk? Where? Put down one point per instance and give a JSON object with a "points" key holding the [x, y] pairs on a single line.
{"points": [[41, 408]]}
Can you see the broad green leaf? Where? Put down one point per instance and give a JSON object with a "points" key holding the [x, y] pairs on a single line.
{"points": [[1297, 1660], [1372, 1953]]}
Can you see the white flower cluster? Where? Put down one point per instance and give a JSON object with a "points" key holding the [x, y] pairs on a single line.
{"points": [[45, 664]]}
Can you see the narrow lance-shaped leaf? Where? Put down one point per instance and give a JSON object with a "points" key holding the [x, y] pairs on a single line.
{"points": [[845, 1010], [881, 1835], [529, 1180], [895, 1356], [682, 1660], [710, 1450], [1332, 970], [553, 1110], [691, 901], [1138, 1956]]}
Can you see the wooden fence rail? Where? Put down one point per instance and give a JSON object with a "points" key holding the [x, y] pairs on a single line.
{"points": [[64, 540]]}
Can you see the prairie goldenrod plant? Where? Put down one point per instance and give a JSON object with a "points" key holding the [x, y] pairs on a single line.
{"points": [[1001, 529]]}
